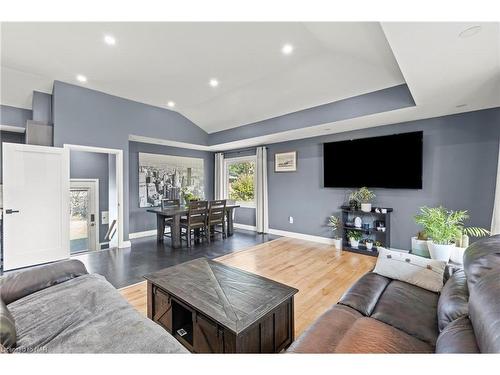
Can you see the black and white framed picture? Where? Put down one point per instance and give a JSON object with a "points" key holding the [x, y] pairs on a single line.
{"points": [[285, 161], [169, 177]]}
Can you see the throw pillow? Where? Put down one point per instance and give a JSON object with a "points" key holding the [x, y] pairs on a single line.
{"points": [[7, 327], [412, 269]]}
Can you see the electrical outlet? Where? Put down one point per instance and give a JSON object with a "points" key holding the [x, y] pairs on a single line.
{"points": [[290, 219]]}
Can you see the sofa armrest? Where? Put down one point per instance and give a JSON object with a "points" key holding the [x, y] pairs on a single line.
{"points": [[20, 284]]}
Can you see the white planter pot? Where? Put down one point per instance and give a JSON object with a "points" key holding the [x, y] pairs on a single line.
{"points": [[337, 243], [369, 245], [440, 252], [366, 207], [420, 247], [354, 243]]}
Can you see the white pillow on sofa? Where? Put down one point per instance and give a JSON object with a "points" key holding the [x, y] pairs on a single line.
{"points": [[412, 269]]}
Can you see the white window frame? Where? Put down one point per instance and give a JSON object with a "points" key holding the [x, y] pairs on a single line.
{"points": [[239, 159]]}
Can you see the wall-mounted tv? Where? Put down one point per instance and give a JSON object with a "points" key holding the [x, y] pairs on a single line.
{"points": [[392, 161]]}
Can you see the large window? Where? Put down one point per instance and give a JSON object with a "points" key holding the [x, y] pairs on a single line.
{"points": [[240, 180]]}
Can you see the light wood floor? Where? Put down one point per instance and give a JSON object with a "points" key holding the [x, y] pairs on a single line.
{"points": [[321, 274]]}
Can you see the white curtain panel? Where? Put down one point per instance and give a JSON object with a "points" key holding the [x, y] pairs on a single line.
{"points": [[495, 221], [220, 182], [261, 208]]}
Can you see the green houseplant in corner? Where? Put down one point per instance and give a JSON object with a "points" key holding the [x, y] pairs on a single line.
{"points": [[354, 237], [334, 224]]}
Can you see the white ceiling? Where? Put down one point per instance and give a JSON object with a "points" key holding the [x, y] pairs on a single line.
{"points": [[154, 63], [331, 61]]}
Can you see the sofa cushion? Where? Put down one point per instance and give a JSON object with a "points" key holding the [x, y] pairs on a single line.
{"points": [[484, 312], [19, 284], [454, 299], [457, 337], [86, 315], [369, 335], [326, 332], [412, 269], [482, 258], [410, 309], [364, 294], [344, 330], [7, 327]]}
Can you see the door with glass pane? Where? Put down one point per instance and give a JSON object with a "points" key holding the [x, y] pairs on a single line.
{"points": [[84, 231]]}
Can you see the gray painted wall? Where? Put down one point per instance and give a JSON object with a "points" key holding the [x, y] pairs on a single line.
{"points": [[10, 138], [140, 220], [92, 118], [42, 107], [14, 116], [93, 165], [460, 161], [374, 102]]}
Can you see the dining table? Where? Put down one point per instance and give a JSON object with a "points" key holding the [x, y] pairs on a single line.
{"points": [[176, 212]]}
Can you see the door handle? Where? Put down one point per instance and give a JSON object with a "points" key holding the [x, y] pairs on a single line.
{"points": [[11, 211]]}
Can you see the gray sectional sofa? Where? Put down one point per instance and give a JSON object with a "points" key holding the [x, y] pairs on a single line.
{"points": [[60, 308]]}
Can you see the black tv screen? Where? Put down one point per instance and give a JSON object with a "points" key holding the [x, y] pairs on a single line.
{"points": [[393, 161]]}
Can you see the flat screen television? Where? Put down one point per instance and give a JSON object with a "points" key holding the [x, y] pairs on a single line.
{"points": [[392, 161]]}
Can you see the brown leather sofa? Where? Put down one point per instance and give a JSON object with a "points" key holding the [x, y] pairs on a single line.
{"points": [[381, 315]]}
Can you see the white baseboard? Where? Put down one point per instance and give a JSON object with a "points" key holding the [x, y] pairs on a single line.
{"points": [[244, 226], [301, 236], [145, 233], [125, 244]]}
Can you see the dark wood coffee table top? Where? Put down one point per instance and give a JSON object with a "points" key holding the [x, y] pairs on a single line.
{"points": [[233, 298]]}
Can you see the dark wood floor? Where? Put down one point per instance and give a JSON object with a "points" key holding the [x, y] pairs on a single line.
{"points": [[123, 267]]}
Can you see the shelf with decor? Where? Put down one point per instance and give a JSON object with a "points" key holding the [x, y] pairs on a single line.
{"points": [[373, 225]]}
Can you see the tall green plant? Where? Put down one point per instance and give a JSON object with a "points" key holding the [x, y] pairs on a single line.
{"points": [[334, 224], [442, 225]]}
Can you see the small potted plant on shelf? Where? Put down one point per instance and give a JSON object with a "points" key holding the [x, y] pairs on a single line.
{"points": [[354, 237], [334, 223], [365, 197], [377, 245], [354, 203], [471, 232], [369, 244]]}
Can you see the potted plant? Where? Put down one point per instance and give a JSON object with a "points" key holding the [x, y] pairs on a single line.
{"points": [[354, 203], [369, 244], [365, 197], [443, 226], [354, 237], [377, 244], [419, 244], [334, 223]]}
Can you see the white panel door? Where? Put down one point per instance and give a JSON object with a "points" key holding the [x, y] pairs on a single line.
{"points": [[35, 204]]}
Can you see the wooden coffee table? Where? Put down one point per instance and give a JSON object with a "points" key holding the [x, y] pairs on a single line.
{"points": [[213, 308]]}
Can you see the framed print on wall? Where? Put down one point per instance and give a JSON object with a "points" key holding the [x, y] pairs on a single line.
{"points": [[285, 161]]}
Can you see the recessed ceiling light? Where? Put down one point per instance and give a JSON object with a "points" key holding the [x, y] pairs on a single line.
{"points": [[81, 78], [287, 49], [109, 40], [470, 32], [171, 104], [213, 82]]}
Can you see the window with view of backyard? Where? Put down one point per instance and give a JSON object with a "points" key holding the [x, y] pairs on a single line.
{"points": [[240, 176]]}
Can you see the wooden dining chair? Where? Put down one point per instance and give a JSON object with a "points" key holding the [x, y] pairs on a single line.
{"points": [[195, 222], [169, 203], [216, 216]]}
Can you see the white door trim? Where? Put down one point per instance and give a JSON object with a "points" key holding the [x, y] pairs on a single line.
{"points": [[119, 182], [84, 183]]}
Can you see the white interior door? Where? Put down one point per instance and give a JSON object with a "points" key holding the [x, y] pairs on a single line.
{"points": [[35, 204]]}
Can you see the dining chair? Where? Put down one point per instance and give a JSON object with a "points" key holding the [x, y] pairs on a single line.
{"points": [[169, 203], [216, 216], [196, 221]]}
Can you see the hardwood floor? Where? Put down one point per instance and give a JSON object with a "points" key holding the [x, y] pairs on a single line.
{"points": [[321, 274]]}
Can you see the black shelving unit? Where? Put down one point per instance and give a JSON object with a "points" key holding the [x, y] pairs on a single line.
{"points": [[348, 215]]}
